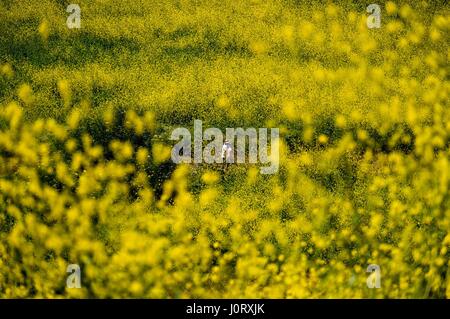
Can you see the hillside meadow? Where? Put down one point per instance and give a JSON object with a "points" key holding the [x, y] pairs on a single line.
{"points": [[86, 176]]}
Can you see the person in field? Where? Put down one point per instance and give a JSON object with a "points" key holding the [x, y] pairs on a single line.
{"points": [[227, 152]]}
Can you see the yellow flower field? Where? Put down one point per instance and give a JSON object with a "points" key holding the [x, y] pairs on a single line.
{"points": [[86, 176]]}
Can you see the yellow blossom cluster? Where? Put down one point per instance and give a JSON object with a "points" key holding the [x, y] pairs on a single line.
{"points": [[85, 170]]}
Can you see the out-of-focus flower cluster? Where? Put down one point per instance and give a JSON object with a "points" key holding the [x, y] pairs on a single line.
{"points": [[364, 169], [66, 199]]}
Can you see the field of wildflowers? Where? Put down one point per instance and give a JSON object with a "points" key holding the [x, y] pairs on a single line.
{"points": [[85, 170]]}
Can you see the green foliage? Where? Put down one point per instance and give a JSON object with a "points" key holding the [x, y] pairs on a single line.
{"points": [[85, 175]]}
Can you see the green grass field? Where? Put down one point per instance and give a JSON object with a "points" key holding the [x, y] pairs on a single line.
{"points": [[85, 170]]}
